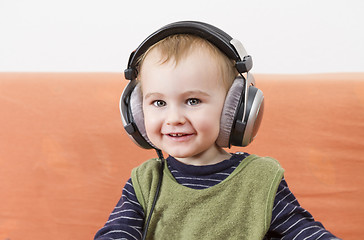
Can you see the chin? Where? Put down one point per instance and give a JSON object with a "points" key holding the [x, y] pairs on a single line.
{"points": [[180, 154]]}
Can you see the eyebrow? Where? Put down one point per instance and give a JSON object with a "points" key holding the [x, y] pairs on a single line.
{"points": [[191, 92], [148, 95], [196, 92]]}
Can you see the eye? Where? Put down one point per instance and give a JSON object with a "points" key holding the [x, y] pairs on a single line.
{"points": [[159, 103], [193, 101]]}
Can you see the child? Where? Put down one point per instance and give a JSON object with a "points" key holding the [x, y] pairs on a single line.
{"points": [[188, 97]]}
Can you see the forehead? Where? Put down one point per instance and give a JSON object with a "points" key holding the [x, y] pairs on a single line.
{"points": [[178, 45], [197, 70], [176, 48], [196, 61]]}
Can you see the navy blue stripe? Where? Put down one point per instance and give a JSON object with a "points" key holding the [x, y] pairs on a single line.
{"points": [[201, 177]]}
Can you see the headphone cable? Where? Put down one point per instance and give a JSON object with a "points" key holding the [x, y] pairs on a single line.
{"points": [[161, 158]]}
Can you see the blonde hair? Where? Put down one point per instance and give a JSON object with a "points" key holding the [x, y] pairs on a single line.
{"points": [[178, 46]]}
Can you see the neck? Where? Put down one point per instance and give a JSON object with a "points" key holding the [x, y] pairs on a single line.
{"points": [[211, 156]]}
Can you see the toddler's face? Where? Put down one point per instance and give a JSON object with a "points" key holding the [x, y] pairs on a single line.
{"points": [[182, 104]]}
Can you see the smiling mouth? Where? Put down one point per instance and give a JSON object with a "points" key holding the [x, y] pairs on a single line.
{"points": [[179, 136]]}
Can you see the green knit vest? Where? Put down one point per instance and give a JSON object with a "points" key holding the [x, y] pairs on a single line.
{"points": [[240, 207]]}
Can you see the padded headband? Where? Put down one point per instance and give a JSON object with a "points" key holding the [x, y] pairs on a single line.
{"points": [[214, 35]]}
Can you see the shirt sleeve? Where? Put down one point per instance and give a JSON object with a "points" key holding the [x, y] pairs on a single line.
{"points": [[126, 220], [291, 221]]}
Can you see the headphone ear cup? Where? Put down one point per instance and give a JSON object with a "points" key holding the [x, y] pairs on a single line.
{"points": [[254, 114], [229, 112], [131, 111], [136, 111], [245, 130]]}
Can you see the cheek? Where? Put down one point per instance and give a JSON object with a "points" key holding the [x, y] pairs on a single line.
{"points": [[151, 122], [209, 123]]}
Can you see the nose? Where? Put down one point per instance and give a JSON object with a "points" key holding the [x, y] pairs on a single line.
{"points": [[175, 116]]}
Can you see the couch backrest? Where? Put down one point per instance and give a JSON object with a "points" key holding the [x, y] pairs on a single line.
{"points": [[64, 156]]}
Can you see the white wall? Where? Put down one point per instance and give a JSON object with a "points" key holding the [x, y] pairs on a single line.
{"points": [[283, 36]]}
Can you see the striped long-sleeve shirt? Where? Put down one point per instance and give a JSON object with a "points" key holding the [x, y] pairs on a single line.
{"points": [[289, 219]]}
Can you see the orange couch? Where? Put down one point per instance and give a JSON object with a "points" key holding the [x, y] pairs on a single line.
{"points": [[64, 156]]}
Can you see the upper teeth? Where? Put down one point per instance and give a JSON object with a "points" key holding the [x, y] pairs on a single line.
{"points": [[176, 134]]}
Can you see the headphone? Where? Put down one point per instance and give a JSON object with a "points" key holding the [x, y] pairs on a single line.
{"points": [[244, 104]]}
